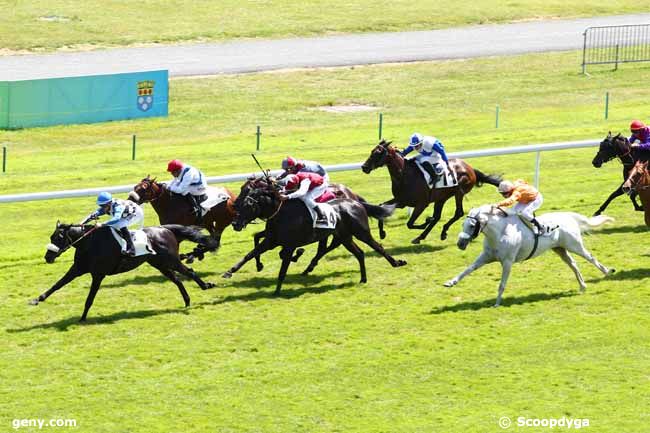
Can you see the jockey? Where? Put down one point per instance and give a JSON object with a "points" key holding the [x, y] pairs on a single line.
{"points": [[528, 200], [431, 151], [292, 166], [307, 187], [124, 213], [188, 182], [640, 132]]}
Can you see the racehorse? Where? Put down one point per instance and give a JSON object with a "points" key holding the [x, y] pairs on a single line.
{"points": [[508, 240], [638, 181], [410, 188], [98, 253], [175, 209], [618, 147], [289, 225]]}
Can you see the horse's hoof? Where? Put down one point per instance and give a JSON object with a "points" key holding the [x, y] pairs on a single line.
{"points": [[597, 213], [382, 235], [363, 280], [496, 305], [33, 301], [260, 267], [227, 275], [638, 209], [210, 285], [450, 283], [443, 236], [415, 241], [306, 271], [189, 260], [298, 254], [611, 271], [400, 263]]}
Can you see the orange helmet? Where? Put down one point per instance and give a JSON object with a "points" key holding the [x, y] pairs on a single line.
{"points": [[636, 125]]}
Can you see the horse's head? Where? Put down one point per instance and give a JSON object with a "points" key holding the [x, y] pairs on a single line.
{"points": [[256, 199], [637, 177], [59, 241], [611, 147], [146, 190], [377, 157], [474, 224]]}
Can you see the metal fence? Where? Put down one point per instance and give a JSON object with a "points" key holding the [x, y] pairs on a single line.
{"points": [[535, 148], [615, 44]]}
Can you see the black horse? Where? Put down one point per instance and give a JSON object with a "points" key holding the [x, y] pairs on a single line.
{"points": [[289, 225], [619, 147], [99, 254]]}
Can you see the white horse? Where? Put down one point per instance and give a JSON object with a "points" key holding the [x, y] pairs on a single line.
{"points": [[508, 240]]}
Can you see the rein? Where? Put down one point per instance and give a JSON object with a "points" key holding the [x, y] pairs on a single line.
{"points": [[71, 244]]}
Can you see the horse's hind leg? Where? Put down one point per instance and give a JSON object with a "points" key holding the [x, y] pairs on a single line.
{"points": [[188, 272], [170, 274], [566, 258], [322, 250], [580, 250], [359, 254], [94, 287], [380, 222], [457, 215], [365, 237]]}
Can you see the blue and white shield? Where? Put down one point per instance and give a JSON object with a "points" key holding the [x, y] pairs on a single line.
{"points": [[145, 102]]}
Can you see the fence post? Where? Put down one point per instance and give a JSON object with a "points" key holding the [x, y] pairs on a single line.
{"points": [[537, 163], [133, 149], [606, 105], [616, 61], [381, 121], [496, 123], [258, 134], [4, 159]]}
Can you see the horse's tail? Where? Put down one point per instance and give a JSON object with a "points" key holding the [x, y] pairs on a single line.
{"points": [[588, 223], [378, 212], [482, 178], [192, 233]]}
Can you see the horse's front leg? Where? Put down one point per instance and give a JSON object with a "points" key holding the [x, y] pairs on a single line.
{"points": [[483, 259], [431, 222], [286, 253], [457, 215], [256, 241], [506, 266], [94, 288], [259, 249], [380, 222], [617, 192], [417, 211], [635, 202], [72, 273]]}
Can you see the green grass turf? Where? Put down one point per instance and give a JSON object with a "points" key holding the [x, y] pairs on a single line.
{"points": [[401, 353], [63, 24]]}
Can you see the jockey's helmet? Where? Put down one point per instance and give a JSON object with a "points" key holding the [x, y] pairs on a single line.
{"points": [[174, 165], [506, 186], [104, 198], [288, 163], [416, 139], [636, 125]]}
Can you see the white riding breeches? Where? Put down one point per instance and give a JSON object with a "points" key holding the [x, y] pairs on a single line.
{"points": [[527, 210], [311, 196]]}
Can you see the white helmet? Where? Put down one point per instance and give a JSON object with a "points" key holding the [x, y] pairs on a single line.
{"points": [[506, 186], [416, 139]]}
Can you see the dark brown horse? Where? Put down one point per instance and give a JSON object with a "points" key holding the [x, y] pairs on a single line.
{"points": [[175, 209], [638, 182], [410, 188], [617, 146]]}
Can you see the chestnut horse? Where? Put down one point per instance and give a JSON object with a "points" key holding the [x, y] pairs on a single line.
{"points": [[638, 181], [175, 209], [410, 188], [617, 146]]}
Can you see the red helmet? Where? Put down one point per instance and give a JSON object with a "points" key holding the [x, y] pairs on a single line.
{"points": [[288, 163], [174, 165], [636, 125]]}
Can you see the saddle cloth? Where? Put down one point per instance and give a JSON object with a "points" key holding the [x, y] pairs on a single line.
{"points": [[140, 242], [330, 217], [447, 180], [216, 195]]}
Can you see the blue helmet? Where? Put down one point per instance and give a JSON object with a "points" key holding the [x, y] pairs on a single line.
{"points": [[416, 139], [104, 198]]}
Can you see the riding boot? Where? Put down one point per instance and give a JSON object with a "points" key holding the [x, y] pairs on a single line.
{"points": [[196, 200], [429, 169], [320, 216], [130, 248], [541, 229]]}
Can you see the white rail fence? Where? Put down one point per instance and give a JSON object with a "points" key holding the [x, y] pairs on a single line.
{"points": [[535, 148]]}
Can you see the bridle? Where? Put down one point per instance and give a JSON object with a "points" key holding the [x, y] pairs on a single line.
{"points": [[69, 242], [150, 185]]}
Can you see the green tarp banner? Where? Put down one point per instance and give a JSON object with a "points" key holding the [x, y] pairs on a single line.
{"points": [[97, 98]]}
